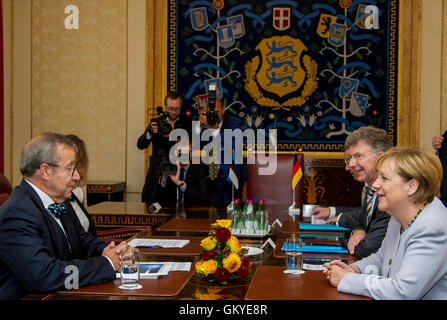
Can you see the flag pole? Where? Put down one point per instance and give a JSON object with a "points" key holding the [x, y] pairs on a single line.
{"points": [[293, 199]]}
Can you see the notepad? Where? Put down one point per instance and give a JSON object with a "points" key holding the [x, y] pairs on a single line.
{"points": [[321, 227], [158, 243], [316, 248]]}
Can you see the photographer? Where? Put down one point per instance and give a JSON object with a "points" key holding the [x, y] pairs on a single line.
{"points": [[183, 183], [157, 133], [219, 188]]}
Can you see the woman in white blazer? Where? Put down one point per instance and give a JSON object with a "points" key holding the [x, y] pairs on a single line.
{"points": [[411, 263]]}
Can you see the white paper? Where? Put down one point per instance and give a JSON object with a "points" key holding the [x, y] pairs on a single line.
{"points": [[162, 243], [147, 270], [307, 266], [179, 266], [318, 221]]}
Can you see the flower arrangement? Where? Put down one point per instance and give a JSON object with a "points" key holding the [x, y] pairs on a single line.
{"points": [[221, 258]]}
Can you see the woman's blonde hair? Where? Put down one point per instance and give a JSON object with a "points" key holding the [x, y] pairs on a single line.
{"points": [[81, 158], [418, 164]]}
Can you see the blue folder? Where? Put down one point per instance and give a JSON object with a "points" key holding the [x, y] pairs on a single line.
{"points": [[316, 248], [321, 227]]}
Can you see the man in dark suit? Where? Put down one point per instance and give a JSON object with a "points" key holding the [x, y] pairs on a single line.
{"points": [[161, 144], [41, 239], [187, 186], [220, 188], [367, 224]]}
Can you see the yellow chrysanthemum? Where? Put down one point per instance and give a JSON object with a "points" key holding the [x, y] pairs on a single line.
{"points": [[232, 263], [224, 223], [209, 243], [207, 267], [234, 244]]}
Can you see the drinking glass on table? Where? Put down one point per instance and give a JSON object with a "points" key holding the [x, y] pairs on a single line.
{"points": [[294, 255], [130, 269]]}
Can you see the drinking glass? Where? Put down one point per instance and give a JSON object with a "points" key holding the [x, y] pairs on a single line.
{"points": [[294, 256], [130, 270]]}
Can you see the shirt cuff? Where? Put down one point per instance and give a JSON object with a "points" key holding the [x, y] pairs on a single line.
{"points": [[163, 185], [111, 263], [338, 219], [148, 135], [332, 214]]}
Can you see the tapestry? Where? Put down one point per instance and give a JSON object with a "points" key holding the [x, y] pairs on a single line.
{"points": [[313, 70]]}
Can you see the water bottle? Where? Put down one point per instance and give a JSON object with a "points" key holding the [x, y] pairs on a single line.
{"points": [[249, 222]]}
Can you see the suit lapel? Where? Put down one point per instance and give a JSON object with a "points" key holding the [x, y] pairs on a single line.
{"points": [[58, 238]]}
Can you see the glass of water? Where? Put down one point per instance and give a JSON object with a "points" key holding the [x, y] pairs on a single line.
{"points": [[130, 270], [294, 256]]}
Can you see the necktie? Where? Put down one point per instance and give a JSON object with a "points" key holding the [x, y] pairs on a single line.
{"points": [[369, 203], [56, 209]]}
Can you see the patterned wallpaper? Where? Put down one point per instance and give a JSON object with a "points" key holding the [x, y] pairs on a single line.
{"points": [[79, 80]]}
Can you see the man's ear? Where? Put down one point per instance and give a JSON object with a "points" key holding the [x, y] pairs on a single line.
{"points": [[44, 171], [412, 187]]}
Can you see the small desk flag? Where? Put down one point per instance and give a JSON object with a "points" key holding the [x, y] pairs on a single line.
{"points": [[297, 172]]}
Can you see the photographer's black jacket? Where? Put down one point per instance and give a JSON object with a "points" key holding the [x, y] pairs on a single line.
{"points": [[160, 151]]}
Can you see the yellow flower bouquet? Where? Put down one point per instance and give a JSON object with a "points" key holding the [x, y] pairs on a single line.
{"points": [[221, 259]]}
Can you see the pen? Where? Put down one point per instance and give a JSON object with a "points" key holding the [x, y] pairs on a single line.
{"points": [[152, 247]]}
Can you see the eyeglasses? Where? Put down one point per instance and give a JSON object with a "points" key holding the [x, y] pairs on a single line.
{"points": [[173, 109], [71, 170], [357, 157]]}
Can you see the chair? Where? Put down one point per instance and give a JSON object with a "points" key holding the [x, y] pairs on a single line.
{"points": [[275, 189], [5, 189]]}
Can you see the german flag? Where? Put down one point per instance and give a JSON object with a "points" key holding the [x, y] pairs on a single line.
{"points": [[297, 172]]}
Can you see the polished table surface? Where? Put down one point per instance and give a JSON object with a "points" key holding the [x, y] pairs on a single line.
{"points": [[196, 288]]}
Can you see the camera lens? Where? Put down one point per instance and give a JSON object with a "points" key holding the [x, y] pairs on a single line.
{"points": [[212, 117], [164, 127]]}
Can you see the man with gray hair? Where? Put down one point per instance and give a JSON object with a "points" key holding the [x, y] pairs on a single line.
{"points": [[367, 224], [42, 243]]}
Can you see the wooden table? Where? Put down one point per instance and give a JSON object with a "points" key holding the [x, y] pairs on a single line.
{"points": [[194, 288], [271, 283], [125, 214], [187, 225], [98, 191]]}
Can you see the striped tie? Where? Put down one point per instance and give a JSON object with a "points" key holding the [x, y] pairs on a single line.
{"points": [[369, 203]]}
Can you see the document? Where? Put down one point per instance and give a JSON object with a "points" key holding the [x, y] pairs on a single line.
{"points": [[158, 243], [151, 270]]}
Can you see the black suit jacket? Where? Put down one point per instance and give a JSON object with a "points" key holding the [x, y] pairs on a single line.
{"points": [[35, 253], [160, 150], [356, 218], [196, 188]]}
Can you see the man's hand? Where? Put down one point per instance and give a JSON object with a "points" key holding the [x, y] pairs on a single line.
{"points": [[321, 212], [110, 252], [356, 237], [176, 177], [154, 127], [436, 141]]}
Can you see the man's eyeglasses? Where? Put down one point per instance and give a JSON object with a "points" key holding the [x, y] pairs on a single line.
{"points": [[173, 109], [71, 170], [357, 157]]}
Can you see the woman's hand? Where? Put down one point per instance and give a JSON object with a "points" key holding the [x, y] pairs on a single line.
{"points": [[336, 270]]}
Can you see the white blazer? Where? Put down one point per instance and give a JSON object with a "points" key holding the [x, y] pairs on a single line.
{"points": [[411, 265]]}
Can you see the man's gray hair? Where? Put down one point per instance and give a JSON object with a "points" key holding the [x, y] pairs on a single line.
{"points": [[42, 149], [377, 139]]}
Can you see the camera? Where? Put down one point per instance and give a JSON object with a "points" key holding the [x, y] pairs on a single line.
{"points": [[164, 127], [168, 168], [212, 117]]}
